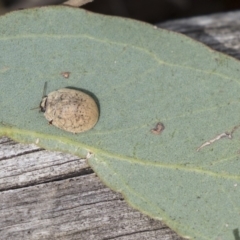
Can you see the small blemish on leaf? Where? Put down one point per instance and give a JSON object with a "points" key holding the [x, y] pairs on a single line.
{"points": [[89, 154], [65, 74], [218, 137], [6, 124], [158, 128], [4, 69]]}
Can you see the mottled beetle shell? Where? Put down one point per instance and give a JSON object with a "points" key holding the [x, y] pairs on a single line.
{"points": [[70, 110]]}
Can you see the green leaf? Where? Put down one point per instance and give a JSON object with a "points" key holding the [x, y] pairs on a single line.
{"points": [[140, 76]]}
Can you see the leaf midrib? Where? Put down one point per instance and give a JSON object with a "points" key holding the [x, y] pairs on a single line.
{"points": [[10, 131]]}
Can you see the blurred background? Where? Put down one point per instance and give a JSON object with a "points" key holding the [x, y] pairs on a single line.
{"points": [[152, 11]]}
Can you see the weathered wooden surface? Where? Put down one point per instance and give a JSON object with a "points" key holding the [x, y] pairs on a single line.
{"points": [[218, 31], [51, 195]]}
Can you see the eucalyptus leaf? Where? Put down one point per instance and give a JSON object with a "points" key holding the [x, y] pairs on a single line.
{"points": [[185, 173]]}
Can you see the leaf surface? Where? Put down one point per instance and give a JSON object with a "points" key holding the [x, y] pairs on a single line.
{"points": [[141, 76]]}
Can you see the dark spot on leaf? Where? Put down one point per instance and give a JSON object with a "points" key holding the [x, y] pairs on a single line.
{"points": [[158, 128]]}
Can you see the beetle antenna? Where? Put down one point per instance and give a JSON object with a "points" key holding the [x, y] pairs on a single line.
{"points": [[35, 108], [44, 90], [43, 95]]}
